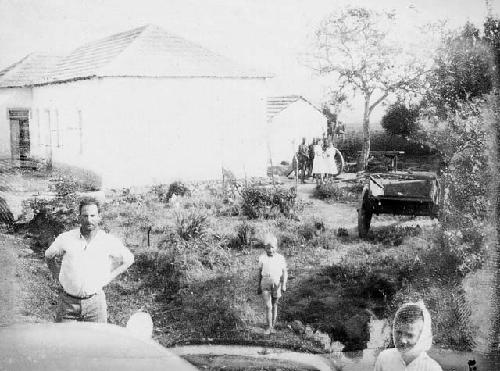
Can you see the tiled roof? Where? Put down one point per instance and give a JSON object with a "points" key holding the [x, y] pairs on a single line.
{"points": [[147, 51], [158, 53], [32, 69], [87, 60], [277, 104]]}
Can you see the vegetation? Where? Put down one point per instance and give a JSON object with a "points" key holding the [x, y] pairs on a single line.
{"points": [[338, 192], [196, 253], [355, 46], [459, 122], [401, 120], [261, 202]]}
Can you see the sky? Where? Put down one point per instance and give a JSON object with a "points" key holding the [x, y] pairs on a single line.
{"points": [[269, 35]]}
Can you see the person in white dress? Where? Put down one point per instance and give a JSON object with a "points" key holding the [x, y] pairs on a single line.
{"points": [[318, 162], [331, 168]]}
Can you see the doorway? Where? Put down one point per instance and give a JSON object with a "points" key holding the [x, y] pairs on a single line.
{"points": [[20, 137]]}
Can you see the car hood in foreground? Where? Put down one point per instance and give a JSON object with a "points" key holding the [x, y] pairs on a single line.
{"points": [[82, 346]]}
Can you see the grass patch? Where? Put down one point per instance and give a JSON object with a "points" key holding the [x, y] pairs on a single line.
{"points": [[336, 191]]}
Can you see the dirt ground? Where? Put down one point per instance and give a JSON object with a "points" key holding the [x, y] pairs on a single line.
{"points": [[31, 293], [20, 277]]}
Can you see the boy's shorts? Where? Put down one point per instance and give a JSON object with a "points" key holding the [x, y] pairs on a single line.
{"points": [[268, 284]]}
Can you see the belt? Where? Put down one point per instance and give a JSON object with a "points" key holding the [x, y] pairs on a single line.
{"points": [[80, 297]]}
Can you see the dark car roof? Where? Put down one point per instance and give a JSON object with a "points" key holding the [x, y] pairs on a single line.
{"points": [[82, 346]]}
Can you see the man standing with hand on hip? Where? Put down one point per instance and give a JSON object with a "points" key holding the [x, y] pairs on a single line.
{"points": [[91, 258]]}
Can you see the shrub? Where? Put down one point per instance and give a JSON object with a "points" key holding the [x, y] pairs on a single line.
{"points": [[52, 216], [335, 192], [311, 228], [214, 204], [465, 141], [177, 263], [176, 188], [400, 119], [260, 202], [191, 223], [326, 241], [394, 235], [254, 201], [244, 235]]}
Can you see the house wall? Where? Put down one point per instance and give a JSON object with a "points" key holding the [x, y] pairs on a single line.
{"points": [[286, 129], [11, 98], [143, 130]]}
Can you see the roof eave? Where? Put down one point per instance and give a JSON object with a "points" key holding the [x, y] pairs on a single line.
{"points": [[73, 79]]}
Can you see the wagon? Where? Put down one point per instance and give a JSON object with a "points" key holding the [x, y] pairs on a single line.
{"points": [[398, 193]]}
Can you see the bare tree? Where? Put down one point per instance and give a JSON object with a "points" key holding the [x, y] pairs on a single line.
{"points": [[357, 47]]}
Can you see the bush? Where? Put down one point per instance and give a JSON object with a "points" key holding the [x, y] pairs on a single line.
{"points": [[380, 141], [191, 223], [245, 232], [465, 140], [326, 241], [260, 202], [400, 119], [52, 216], [311, 229], [176, 188], [176, 264], [214, 204], [335, 192]]}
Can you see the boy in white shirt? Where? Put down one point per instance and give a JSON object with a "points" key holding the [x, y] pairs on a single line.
{"points": [[413, 338], [273, 276]]}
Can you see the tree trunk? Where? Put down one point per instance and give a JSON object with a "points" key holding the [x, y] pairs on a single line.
{"points": [[365, 151]]}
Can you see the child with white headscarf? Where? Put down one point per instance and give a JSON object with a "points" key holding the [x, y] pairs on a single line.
{"points": [[412, 336]]}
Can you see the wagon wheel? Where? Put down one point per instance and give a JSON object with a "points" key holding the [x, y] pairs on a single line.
{"points": [[364, 219], [339, 162]]}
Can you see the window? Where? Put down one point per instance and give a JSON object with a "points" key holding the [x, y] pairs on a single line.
{"points": [[39, 129], [58, 130], [80, 129]]}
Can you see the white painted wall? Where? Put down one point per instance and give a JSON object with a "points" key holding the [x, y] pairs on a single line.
{"points": [[11, 98], [286, 129], [143, 131]]}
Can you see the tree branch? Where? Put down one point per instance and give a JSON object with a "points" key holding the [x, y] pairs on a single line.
{"points": [[374, 104]]}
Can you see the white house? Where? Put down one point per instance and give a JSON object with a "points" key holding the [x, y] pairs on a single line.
{"points": [[291, 118], [138, 107]]}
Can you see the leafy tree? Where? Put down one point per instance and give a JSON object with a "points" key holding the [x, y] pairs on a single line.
{"points": [[401, 120], [354, 45], [492, 38], [463, 71], [459, 112]]}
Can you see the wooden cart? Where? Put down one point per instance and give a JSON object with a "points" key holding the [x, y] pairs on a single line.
{"points": [[398, 193]]}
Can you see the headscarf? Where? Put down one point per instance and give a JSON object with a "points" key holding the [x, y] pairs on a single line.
{"points": [[424, 341]]}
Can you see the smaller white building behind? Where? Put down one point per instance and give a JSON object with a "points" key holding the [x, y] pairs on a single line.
{"points": [[289, 119]]}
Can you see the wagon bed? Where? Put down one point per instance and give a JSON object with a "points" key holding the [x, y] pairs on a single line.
{"points": [[398, 193]]}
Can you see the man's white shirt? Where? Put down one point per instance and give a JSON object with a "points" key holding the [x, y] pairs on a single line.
{"points": [[86, 267]]}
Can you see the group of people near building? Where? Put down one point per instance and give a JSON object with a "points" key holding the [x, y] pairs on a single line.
{"points": [[320, 159], [86, 259]]}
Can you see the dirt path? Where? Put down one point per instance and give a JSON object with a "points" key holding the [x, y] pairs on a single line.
{"points": [[26, 290], [334, 215], [345, 215], [9, 289]]}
